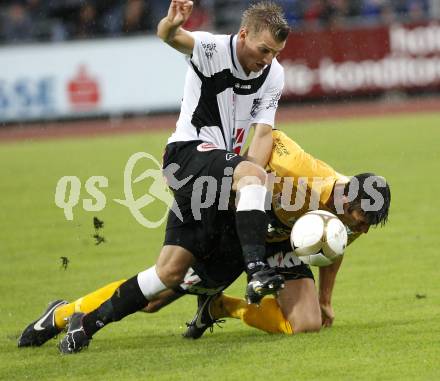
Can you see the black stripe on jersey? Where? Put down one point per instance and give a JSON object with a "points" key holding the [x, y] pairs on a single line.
{"points": [[232, 52], [249, 86], [207, 112]]}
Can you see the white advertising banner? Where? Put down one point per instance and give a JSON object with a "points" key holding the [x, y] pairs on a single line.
{"points": [[344, 62], [100, 77]]}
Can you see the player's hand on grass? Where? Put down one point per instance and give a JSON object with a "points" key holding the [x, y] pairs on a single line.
{"points": [[179, 12], [327, 315]]}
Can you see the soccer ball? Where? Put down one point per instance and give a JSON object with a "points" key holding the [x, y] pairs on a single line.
{"points": [[318, 238]]}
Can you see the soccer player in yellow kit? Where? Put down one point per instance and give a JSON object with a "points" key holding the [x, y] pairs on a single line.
{"points": [[299, 307], [301, 183]]}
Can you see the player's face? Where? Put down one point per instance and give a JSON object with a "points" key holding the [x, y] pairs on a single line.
{"points": [[355, 220], [256, 50]]}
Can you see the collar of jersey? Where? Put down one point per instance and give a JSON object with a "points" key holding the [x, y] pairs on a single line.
{"points": [[237, 68]]}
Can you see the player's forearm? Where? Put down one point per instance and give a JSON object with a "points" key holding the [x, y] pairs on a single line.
{"points": [[175, 36], [260, 148], [327, 278], [166, 31]]}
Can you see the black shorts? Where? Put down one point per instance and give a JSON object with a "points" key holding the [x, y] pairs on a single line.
{"points": [[200, 177], [280, 256], [218, 272], [219, 260]]}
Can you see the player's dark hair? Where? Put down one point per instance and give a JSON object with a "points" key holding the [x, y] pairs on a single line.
{"points": [[266, 15], [370, 183]]}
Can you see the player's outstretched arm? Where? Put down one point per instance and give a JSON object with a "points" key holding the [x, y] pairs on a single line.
{"points": [[260, 148], [327, 278], [170, 28]]}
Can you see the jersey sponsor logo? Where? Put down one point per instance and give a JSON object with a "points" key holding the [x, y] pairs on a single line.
{"points": [[205, 147], [273, 103], [255, 107], [209, 49], [280, 148], [242, 86]]}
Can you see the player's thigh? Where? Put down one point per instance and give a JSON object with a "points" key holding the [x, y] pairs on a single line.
{"points": [[300, 305], [172, 264]]}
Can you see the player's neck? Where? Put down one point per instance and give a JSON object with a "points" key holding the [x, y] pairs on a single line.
{"points": [[239, 46]]}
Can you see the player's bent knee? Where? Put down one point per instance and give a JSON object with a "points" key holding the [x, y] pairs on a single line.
{"points": [[306, 324], [171, 274], [172, 265], [247, 173], [171, 277]]}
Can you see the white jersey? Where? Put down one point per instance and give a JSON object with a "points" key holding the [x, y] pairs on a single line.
{"points": [[220, 102]]}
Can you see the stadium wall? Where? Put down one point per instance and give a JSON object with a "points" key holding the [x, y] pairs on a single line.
{"points": [[143, 75], [89, 78]]}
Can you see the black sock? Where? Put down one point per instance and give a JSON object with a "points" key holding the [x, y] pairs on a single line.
{"points": [[252, 230], [126, 300]]}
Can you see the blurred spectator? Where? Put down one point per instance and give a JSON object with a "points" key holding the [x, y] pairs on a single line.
{"points": [[200, 18], [227, 15], [64, 15], [294, 11], [354, 8], [110, 16], [417, 10], [41, 27], [86, 25], [333, 12], [388, 14], [17, 24], [137, 17], [313, 11], [372, 9]]}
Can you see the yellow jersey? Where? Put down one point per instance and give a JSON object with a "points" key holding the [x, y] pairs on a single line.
{"points": [[301, 183]]}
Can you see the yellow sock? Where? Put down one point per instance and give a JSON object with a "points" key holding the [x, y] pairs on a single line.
{"points": [[267, 317], [85, 304]]}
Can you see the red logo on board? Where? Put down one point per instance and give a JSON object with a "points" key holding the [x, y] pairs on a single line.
{"points": [[83, 90]]}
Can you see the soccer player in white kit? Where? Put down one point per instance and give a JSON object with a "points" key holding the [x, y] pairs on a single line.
{"points": [[233, 83]]}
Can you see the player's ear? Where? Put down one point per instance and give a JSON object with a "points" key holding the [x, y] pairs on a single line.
{"points": [[344, 200], [345, 203], [242, 33]]}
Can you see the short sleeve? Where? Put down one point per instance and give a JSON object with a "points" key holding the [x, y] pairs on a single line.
{"points": [[272, 94], [208, 53]]}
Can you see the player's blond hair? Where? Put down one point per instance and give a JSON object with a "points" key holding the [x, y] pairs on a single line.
{"points": [[266, 15]]}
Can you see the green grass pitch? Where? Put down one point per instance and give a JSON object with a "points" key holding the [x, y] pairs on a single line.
{"points": [[387, 296]]}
